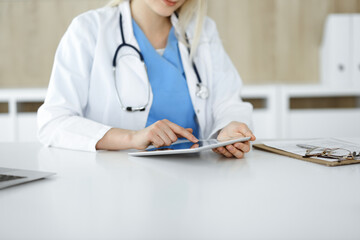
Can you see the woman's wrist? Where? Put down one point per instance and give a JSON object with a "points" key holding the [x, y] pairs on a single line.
{"points": [[116, 139], [130, 138]]}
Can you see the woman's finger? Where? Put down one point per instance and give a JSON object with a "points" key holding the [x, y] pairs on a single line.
{"points": [[182, 132], [224, 152], [244, 129], [167, 141], [234, 151], [244, 147], [190, 130], [156, 141], [187, 129], [215, 150], [194, 146], [159, 130], [168, 131]]}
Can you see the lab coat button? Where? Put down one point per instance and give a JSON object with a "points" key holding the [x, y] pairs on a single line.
{"points": [[198, 111]]}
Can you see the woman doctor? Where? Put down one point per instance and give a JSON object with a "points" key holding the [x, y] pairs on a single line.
{"points": [[143, 72]]}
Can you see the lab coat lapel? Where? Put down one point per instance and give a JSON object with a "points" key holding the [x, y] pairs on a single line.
{"points": [[199, 104]]}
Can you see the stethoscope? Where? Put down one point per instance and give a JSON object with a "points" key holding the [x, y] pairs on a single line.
{"points": [[201, 90]]}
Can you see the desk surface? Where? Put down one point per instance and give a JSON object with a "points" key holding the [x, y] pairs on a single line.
{"points": [[108, 195]]}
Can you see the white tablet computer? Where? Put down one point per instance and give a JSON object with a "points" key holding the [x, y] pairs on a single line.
{"points": [[186, 146]]}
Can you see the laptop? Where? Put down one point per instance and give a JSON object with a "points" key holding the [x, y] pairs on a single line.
{"points": [[10, 177]]}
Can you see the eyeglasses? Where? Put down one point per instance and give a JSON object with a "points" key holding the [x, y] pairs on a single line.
{"points": [[340, 154]]}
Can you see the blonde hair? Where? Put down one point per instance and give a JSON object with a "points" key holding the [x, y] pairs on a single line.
{"points": [[190, 10]]}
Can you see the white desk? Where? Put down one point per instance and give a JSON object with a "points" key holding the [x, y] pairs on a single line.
{"points": [[108, 195]]}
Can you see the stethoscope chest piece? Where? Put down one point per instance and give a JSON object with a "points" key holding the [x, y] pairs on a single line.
{"points": [[202, 91]]}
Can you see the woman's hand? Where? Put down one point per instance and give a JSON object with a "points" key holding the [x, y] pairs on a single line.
{"points": [[231, 131], [161, 133]]}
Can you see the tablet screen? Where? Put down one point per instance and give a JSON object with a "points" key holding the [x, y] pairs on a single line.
{"points": [[185, 145]]}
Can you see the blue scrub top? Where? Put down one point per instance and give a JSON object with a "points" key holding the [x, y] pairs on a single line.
{"points": [[171, 98]]}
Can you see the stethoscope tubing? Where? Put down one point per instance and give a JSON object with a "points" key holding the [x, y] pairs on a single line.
{"points": [[124, 44], [201, 92]]}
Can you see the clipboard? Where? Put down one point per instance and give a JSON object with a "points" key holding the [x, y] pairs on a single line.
{"points": [[297, 156]]}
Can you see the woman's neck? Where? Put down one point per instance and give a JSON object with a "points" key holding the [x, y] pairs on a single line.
{"points": [[155, 27]]}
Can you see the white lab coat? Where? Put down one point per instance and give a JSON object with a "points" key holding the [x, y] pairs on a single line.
{"points": [[81, 103]]}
